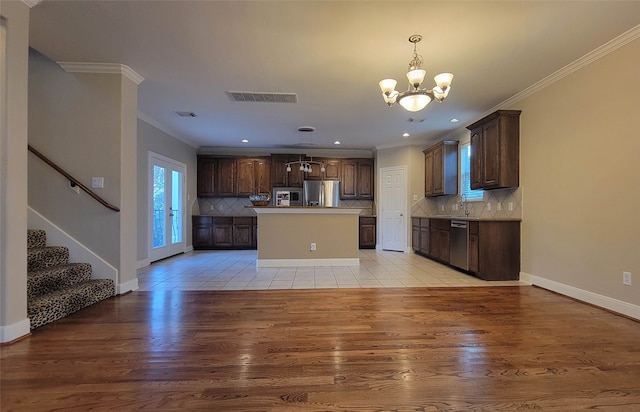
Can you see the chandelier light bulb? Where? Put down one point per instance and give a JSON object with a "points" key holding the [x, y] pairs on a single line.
{"points": [[301, 167], [443, 80], [416, 77], [388, 86], [288, 168]]}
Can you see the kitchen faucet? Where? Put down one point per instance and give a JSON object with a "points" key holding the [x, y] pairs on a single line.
{"points": [[463, 204]]}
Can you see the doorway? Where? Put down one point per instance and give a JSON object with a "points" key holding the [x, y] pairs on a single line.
{"points": [[166, 207], [393, 208]]}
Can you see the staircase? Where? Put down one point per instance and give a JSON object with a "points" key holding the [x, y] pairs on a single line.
{"points": [[55, 287]]}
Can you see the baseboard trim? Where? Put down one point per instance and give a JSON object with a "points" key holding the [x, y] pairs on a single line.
{"points": [[273, 263], [127, 286], [10, 333], [188, 249], [605, 302]]}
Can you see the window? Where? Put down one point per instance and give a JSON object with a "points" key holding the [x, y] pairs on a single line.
{"points": [[465, 176]]}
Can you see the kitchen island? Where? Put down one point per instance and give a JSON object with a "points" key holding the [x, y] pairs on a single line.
{"points": [[307, 236]]}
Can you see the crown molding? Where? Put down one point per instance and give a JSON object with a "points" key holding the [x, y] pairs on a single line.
{"points": [[103, 68], [32, 3]]}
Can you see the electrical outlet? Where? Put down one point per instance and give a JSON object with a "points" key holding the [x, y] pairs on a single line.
{"points": [[488, 206], [313, 246], [498, 206], [626, 278], [442, 208], [212, 208], [510, 206], [415, 197]]}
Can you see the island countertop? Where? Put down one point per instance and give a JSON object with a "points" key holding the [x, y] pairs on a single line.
{"points": [[306, 210]]}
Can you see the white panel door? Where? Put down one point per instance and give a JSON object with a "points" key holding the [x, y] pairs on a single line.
{"points": [[393, 201], [167, 207]]}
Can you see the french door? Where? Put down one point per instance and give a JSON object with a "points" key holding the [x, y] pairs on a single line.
{"points": [[393, 205], [167, 206]]}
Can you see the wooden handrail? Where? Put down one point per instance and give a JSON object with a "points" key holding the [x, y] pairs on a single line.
{"points": [[73, 180]]}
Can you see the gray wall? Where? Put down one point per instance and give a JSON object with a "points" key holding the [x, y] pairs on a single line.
{"points": [[13, 178], [74, 120], [152, 139]]}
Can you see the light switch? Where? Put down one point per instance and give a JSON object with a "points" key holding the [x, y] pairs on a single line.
{"points": [[97, 182]]}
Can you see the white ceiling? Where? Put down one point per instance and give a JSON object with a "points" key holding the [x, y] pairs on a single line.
{"points": [[330, 53]]}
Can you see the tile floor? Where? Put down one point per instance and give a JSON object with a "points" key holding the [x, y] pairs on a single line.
{"points": [[236, 270]]}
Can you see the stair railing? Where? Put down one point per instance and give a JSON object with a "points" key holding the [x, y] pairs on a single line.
{"points": [[73, 180]]}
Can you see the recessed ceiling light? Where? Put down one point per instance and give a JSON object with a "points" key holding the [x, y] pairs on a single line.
{"points": [[245, 141], [405, 134], [454, 120], [336, 142]]}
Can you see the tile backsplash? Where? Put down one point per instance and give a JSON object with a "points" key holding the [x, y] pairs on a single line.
{"points": [[235, 206], [485, 209]]}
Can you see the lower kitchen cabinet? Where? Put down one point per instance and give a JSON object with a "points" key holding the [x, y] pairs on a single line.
{"points": [[494, 250], [202, 231], [367, 235], [224, 232], [439, 238], [493, 245]]}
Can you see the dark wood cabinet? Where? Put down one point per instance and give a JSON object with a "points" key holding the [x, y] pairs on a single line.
{"points": [[424, 236], [333, 168], [226, 177], [415, 234], [207, 169], [493, 247], [243, 232], [494, 254], [253, 176], [202, 231], [357, 179], [439, 238], [279, 175], [473, 247], [367, 235], [495, 150], [224, 232], [441, 169]]}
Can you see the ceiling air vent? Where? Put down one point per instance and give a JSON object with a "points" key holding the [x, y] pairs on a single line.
{"points": [[263, 97]]}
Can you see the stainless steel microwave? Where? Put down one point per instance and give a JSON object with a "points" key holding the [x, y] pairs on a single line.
{"points": [[291, 195]]}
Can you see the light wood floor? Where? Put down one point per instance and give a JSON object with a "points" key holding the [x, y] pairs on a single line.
{"points": [[405, 349]]}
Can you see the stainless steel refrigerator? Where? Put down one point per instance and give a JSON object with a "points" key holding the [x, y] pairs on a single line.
{"points": [[322, 193]]}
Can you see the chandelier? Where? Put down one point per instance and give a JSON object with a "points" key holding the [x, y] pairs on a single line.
{"points": [[416, 98], [305, 165]]}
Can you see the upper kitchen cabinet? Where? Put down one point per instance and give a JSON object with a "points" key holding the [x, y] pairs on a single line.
{"points": [[207, 169], [253, 176], [441, 169], [226, 177], [332, 170], [357, 179], [279, 175], [495, 147]]}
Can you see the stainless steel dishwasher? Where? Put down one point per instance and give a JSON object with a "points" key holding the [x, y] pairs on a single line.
{"points": [[458, 246]]}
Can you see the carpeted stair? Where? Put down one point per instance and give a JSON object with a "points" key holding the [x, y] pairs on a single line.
{"points": [[55, 287]]}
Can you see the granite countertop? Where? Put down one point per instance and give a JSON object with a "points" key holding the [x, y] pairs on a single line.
{"points": [[471, 218]]}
